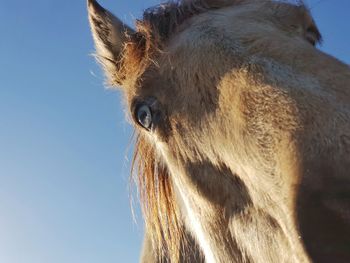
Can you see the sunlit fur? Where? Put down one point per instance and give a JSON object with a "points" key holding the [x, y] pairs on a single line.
{"points": [[250, 159]]}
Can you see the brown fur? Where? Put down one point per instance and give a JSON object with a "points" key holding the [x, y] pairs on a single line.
{"points": [[250, 158]]}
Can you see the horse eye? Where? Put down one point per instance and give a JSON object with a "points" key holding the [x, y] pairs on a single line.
{"points": [[144, 116]]}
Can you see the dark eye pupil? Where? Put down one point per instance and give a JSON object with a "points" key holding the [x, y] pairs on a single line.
{"points": [[144, 116]]}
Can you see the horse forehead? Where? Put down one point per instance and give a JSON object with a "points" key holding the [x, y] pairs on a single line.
{"points": [[199, 43], [187, 57]]}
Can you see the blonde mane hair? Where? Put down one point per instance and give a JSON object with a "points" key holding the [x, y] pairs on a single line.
{"points": [[157, 199]]}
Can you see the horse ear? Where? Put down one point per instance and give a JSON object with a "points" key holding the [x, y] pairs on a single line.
{"points": [[298, 18], [109, 34], [310, 29]]}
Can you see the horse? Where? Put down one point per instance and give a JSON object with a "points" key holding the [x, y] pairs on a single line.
{"points": [[242, 149]]}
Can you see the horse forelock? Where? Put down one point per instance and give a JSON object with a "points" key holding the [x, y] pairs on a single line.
{"points": [[164, 19]]}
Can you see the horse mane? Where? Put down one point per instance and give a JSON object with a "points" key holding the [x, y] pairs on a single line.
{"points": [[159, 208]]}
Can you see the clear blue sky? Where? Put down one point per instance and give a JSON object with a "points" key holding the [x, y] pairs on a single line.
{"points": [[63, 139]]}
